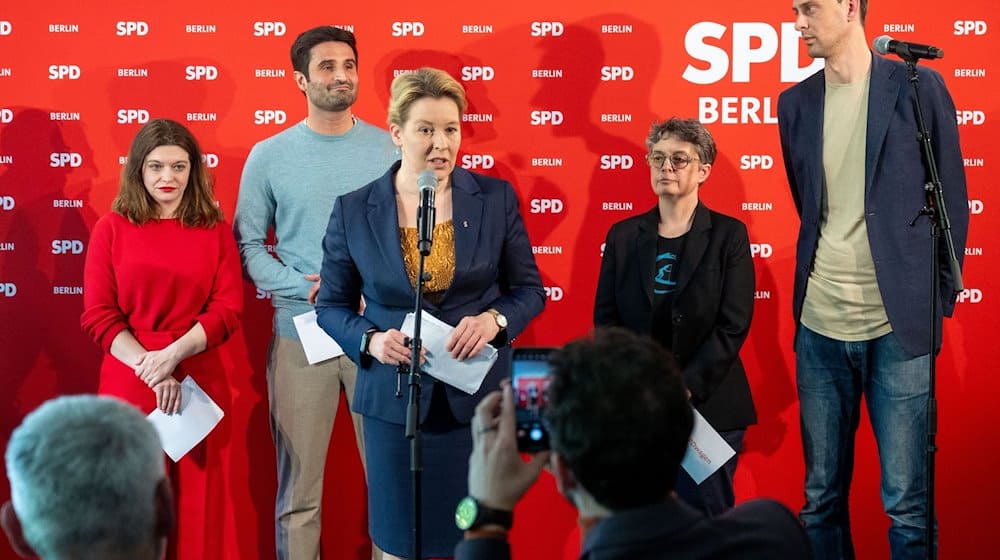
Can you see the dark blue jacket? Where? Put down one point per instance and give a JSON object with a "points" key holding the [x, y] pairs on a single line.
{"points": [[894, 190], [494, 268], [757, 529]]}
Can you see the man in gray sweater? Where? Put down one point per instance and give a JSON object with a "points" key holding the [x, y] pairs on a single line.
{"points": [[289, 182]]}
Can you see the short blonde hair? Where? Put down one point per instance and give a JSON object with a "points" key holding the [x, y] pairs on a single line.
{"points": [[408, 88]]}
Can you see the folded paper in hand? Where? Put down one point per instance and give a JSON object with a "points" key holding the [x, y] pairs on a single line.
{"points": [[466, 375], [317, 345], [181, 431], [707, 450]]}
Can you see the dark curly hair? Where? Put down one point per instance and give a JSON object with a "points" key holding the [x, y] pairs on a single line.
{"points": [[619, 416]]}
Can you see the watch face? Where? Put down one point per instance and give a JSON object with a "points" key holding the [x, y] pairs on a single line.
{"points": [[501, 320], [465, 513]]}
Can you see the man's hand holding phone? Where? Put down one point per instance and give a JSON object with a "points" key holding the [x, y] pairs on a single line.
{"points": [[498, 477]]}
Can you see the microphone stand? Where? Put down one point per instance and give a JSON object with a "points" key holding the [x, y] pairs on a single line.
{"points": [[940, 225], [414, 373]]}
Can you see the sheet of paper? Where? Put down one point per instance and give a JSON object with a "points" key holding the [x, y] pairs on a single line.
{"points": [[707, 450], [317, 344], [466, 375], [180, 432]]}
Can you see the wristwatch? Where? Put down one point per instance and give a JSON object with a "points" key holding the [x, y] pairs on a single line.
{"points": [[471, 514], [500, 318], [366, 340]]}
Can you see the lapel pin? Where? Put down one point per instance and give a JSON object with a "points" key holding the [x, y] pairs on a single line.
{"points": [[465, 223]]}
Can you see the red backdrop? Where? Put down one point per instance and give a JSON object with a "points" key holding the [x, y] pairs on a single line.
{"points": [[561, 97]]}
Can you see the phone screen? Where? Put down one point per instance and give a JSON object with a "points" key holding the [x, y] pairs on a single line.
{"points": [[530, 383]]}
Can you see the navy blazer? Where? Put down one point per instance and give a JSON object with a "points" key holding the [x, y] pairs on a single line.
{"points": [[494, 268], [894, 190], [711, 312]]}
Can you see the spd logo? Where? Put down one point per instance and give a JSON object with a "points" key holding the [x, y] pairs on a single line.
{"points": [[5, 27], [211, 160], [761, 250], [473, 73], [543, 118], [756, 161], [262, 294], [975, 206], [6, 116], [8, 289], [554, 293], [198, 72], [67, 247], [64, 72], [975, 118], [613, 73], [269, 28], [65, 159], [547, 28], [129, 28], [970, 27], [617, 161], [7, 203], [269, 116], [970, 295], [129, 116], [478, 161], [404, 28], [752, 43], [546, 206]]}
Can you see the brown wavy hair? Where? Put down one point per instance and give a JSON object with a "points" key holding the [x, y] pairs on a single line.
{"points": [[197, 208]]}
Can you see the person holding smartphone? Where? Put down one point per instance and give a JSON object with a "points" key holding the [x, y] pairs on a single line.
{"points": [[683, 274], [619, 478]]}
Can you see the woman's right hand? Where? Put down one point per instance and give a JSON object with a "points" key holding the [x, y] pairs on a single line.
{"points": [[390, 348], [168, 395]]}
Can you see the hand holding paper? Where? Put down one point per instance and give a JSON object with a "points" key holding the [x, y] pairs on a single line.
{"points": [[181, 431], [467, 374], [317, 345], [707, 450]]}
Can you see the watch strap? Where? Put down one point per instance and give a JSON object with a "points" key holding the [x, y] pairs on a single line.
{"points": [[484, 515]]}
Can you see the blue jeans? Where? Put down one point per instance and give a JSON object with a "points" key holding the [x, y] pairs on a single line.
{"points": [[832, 376]]}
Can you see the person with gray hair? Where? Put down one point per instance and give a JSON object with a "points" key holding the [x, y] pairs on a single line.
{"points": [[683, 274], [87, 481]]}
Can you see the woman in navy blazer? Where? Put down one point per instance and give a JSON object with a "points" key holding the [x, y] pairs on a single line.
{"points": [[683, 274], [483, 280]]}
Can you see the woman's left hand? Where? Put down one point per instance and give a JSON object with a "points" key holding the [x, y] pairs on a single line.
{"points": [[471, 335], [168, 395], [155, 366]]}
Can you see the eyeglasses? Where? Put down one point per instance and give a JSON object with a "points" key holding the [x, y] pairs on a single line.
{"points": [[677, 161]]}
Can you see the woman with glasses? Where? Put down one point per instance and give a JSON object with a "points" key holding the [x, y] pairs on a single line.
{"points": [[683, 274]]}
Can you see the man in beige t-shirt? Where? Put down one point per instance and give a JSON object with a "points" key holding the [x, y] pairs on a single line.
{"points": [[863, 273]]}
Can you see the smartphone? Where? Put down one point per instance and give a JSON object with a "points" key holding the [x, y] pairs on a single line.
{"points": [[530, 383]]}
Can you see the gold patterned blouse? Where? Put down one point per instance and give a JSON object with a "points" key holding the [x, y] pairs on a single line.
{"points": [[440, 263]]}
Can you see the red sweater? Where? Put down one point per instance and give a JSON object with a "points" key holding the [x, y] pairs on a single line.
{"points": [[158, 280]]}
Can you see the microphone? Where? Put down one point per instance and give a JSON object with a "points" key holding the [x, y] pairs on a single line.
{"points": [[907, 51], [426, 182]]}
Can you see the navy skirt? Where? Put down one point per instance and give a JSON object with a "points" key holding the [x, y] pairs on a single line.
{"points": [[447, 444]]}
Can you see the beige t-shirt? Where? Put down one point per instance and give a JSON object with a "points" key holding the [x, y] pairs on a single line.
{"points": [[842, 297]]}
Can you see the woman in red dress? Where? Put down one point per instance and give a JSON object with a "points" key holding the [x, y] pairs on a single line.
{"points": [[162, 291]]}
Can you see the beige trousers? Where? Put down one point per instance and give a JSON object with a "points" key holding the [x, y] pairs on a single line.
{"points": [[303, 399]]}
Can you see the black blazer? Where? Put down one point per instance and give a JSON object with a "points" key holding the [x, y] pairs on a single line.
{"points": [[712, 307]]}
